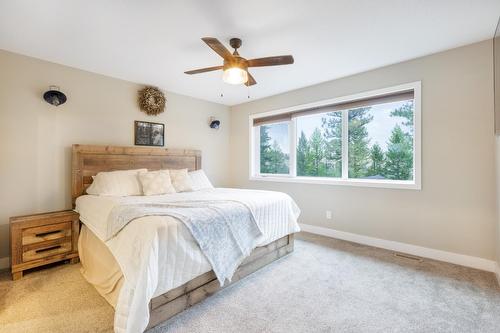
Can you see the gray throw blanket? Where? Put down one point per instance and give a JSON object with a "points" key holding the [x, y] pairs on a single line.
{"points": [[226, 231]]}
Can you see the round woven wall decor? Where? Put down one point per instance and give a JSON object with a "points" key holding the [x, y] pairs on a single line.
{"points": [[152, 101]]}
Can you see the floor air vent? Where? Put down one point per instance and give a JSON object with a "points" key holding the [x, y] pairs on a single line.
{"points": [[408, 256]]}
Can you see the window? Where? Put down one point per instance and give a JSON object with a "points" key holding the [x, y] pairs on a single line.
{"points": [[274, 149], [381, 141], [369, 139], [319, 145]]}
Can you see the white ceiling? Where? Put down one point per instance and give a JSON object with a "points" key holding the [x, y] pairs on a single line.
{"points": [[155, 41]]}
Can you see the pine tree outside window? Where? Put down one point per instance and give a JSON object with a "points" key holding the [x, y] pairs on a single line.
{"points": [[369, 139], [274, 149]]}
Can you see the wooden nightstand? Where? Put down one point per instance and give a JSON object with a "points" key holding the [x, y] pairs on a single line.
{"points": [[41, 239]]}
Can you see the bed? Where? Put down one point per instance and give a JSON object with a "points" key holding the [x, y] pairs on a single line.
{"points": [[153, 268]]}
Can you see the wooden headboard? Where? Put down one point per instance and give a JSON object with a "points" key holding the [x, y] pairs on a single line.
{"points": [[88, 160]]}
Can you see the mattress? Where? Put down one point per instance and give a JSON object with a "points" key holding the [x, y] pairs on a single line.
{"points": [[94, 209], [155, 254]]}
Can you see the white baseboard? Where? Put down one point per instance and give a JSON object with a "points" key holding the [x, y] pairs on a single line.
{"points": [[454, 258], [4, 262]]}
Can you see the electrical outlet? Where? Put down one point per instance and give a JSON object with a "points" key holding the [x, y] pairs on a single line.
{"points": [[329, 214]]}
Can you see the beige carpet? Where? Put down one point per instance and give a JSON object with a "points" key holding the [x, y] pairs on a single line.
{"points": [[53, 300], [326, 285]]}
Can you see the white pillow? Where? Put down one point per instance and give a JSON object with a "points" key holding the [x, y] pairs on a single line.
{"points": [[200, 180], [181, 180], [118, 183], [156, 182]]}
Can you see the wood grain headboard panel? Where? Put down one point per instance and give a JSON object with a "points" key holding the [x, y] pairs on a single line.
{"points": [[88, 160]]}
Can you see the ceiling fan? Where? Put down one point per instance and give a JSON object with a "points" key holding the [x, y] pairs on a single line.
{"points": [[235, 67]]}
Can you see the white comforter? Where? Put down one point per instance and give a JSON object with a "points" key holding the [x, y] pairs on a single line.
{"points": [[157, 253]]}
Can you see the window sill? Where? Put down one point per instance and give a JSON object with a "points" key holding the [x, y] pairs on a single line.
{"points": [[380, 183]]}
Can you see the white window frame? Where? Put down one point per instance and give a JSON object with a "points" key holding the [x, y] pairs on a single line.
{"points": [[414, 184]]}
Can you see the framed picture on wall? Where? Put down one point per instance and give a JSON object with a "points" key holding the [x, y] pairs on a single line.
{"points": [[149, 134]]}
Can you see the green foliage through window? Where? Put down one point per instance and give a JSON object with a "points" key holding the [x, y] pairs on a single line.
{"points": [[321, 154], [272, 158]]}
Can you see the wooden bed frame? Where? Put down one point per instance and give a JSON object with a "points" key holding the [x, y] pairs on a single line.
{"points": [[88, 160]]}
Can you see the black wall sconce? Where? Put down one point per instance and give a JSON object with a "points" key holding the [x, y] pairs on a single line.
{"points": [[54, 96], [214, 123]]}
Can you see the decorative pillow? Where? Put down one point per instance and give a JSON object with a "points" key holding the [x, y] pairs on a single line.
{"points": [[118, 183], [200, 180], [156, 182], [181, 180]]}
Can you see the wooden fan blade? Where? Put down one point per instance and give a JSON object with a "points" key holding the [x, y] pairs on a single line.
{"points": [[203, 70], [251, 81], [218, 47], [271, 61]]}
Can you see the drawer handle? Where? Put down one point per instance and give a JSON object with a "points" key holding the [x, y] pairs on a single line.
{"points": [[42, 234], [48, 249]]}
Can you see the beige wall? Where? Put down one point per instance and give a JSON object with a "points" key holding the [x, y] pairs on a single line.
{"points": [[456, 208], [35, 137]]}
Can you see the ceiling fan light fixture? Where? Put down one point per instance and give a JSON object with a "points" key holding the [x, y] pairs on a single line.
{"points": [[235, 67], [235, 75]]}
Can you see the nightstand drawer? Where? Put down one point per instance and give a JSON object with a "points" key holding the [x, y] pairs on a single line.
{"points": [[45, 233], [46, 249]]}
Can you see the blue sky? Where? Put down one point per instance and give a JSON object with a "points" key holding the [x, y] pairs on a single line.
{"points": [[379, 130]]}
